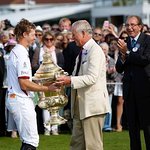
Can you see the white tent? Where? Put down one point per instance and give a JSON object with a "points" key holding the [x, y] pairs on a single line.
{"points": [[41, 14]]}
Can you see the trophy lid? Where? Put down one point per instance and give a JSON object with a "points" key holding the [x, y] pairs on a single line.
{"points": [[48, 69]]}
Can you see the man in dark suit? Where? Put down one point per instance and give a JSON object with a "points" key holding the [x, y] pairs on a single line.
{"points": [[134, 61], [70, 53]]}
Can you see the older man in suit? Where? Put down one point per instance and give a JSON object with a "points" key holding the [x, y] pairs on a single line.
{"points": [[134, 61], [89, 96]]}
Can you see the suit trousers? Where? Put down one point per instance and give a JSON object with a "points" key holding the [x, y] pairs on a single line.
{"points": [[87, 133], [133, 114]]}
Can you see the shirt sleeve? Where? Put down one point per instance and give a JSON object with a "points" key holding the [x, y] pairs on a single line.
{"points": [[24, 68]]}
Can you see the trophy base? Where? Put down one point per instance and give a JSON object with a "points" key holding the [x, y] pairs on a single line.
{"points": [[56, 120], [53, 104]]}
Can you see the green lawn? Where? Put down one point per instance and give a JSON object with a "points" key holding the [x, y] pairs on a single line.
{"points": [[112, 141]]}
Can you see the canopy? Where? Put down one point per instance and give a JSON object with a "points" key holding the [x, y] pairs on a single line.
{"points": [[41, 14]]}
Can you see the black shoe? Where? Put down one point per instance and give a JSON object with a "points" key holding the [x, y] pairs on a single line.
{"points": [[27, 147]]}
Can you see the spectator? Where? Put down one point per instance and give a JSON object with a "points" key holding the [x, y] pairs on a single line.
{"points": [[11, 33], [39, 35], [55, 28], [64, 24], [46, 27], [145, 28], [134, 61], [97, 35], [110, 74], [113, 52], [59, 41], [124, 36], [11, 126]]}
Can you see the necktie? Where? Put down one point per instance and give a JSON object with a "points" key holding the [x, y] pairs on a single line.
{"points": [[79, 63], [133, 43]]}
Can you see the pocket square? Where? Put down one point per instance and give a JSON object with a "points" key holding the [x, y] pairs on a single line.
{"points": [[84, 61]]}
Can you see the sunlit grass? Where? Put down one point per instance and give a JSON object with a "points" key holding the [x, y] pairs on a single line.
{"points": [[112, 141]]}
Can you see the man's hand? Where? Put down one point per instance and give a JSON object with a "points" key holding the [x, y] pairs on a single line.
{"points": [[54, 88], [63, 80], [122, 46]]}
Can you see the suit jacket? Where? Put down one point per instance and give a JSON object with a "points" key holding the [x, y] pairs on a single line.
{"points": [[136, 68], [70, 53], [90, 83]]}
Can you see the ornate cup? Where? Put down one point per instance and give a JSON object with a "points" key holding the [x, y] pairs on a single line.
{"points": [[52, 101]]}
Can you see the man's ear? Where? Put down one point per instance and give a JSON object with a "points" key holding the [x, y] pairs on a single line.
{"points": [[25, 34], [83, 33]]}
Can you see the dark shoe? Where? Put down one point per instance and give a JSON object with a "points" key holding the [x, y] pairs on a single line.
{"points": [[27, 147]]}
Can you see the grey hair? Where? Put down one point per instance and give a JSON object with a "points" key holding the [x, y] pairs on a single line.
{"points": [[82, 25], [104, 44]]}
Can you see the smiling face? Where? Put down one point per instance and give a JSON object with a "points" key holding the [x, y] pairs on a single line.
{"points": [[25, 33], [48, 41], [133, 26], [28, 38], [97, 34], [82, 32]]}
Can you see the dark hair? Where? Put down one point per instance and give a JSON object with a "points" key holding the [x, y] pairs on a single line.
{"points": [[138, 19], [7, 24], [123, 32], [146, 26], [109, 37]]}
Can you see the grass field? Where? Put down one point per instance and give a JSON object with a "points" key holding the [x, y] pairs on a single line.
{"points": [[112, 141]]}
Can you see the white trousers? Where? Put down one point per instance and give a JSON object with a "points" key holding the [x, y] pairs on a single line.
{"points": [[46, 118], [23, 111]]}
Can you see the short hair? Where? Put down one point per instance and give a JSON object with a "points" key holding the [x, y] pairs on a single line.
{"points": [[23, 26], [137, 17], [46, 34], [82, 25], [64, 20], [105, 45]]}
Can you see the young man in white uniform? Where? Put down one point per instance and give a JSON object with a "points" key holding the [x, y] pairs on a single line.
{"points": [[19, 101]]}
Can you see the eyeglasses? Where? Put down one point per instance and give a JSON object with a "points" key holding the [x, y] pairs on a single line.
{"points": [[38, 34], [49, 39], [97, 34], [131, 25]]}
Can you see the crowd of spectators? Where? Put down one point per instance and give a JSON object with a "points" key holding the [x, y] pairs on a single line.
{"points": [[57, 39]]}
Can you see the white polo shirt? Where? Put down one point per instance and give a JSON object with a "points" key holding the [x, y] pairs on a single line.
{"points": [[18, 67]]}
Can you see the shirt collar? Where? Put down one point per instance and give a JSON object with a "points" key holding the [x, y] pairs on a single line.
{"points": [[26, 50], [136, 38], [87, 45]]}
